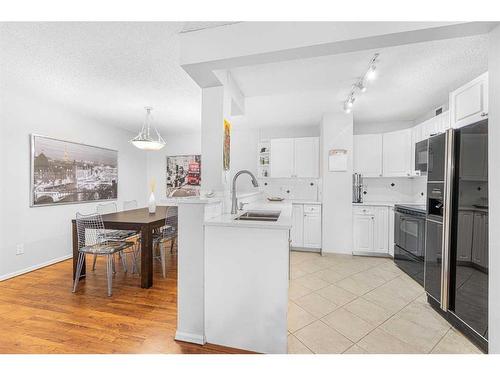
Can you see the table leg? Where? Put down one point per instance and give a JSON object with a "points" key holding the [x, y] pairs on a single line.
{"points": [[146, 257], [75, 253]]}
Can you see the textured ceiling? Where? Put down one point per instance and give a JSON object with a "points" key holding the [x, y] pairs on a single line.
{"points": [[110, 71], [106, 71], [412, 79]]}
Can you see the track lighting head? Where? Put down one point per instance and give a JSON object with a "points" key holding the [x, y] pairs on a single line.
{"points": [[361, 86], [371, 73]]}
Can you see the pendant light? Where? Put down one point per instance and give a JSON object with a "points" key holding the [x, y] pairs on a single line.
{"points": [[144, 140]]}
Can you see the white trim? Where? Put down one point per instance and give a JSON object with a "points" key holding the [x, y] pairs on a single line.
{"points": [[190, 337], [35, 267]]}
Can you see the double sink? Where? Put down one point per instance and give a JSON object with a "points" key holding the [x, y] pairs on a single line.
{"points": [[260, 215]]}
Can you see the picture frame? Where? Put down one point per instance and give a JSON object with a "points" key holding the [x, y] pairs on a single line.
{"points": [[80, 173]]}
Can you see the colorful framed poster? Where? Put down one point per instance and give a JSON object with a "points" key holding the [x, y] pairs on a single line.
{"points": [[226, 155], [183, 175]]}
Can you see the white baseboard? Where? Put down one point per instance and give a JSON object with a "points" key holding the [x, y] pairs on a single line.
{"points": [[35, 267], [190, 337]]}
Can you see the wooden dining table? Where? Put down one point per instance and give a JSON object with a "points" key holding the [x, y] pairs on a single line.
{"points": [[138, 220]]}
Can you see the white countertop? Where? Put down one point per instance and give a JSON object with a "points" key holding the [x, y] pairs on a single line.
{"points": [[304, 201], [284, 221], [388, 204]]}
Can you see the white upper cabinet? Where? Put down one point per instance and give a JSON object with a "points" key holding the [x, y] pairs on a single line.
{"points": [[397, 153], [281, 157], [474, 157], [368, 155], [469, 103], [306, 157], [294, 157]]}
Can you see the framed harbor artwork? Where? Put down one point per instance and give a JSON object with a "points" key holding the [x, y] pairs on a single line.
{"points": [[183, 175], [64, 172]]}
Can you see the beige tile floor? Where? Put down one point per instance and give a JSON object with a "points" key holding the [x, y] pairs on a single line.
{"points": [[353, 305]]}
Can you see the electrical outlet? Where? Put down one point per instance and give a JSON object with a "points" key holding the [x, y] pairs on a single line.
{"points": [[19, 249]]}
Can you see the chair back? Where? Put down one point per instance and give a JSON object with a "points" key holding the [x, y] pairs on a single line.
{"points": [[171, 219], [129, 205], [107, 208], [90, 229]]}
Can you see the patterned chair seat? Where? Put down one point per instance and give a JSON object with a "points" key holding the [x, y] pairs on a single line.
{"points": [[107, 247]]}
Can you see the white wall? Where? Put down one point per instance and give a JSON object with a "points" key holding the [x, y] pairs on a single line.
{"points": [[177, 144], [431, 113], [212, 117], [494, 186], [337, 133], [46, 231], [381, 127]]}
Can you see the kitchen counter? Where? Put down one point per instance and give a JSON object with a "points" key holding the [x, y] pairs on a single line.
{"points": [[303, 201], [284, 221], [473, 208], [246, 280], [389, 204]]}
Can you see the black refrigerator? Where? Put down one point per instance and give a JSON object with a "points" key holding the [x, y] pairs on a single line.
{"points": [[456, 251]]}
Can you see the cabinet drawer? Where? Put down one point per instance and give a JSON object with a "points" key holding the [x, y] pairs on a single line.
{"points": [[312, 208], [362, 210]]}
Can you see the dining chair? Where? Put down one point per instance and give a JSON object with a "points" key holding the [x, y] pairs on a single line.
{"points": [[129, 205], [167, 233], [119, 235], [92, 239]]}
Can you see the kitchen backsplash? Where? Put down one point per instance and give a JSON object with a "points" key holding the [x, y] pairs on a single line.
{"points": [[397, 189], [300, 189]]}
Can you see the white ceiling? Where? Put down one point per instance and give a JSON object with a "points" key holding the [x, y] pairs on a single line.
{"points": [[110, 71], [412, 80], [106, 71]]}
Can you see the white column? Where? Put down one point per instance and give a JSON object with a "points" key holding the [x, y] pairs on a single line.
{"points": [[212, 132], [494, 186], [337, 133]]}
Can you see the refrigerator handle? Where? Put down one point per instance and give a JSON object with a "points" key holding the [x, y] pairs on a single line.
{"points": [[447, 218]]}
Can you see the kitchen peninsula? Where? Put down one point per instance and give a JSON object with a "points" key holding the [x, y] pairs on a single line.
{"points": [[246, 279]]}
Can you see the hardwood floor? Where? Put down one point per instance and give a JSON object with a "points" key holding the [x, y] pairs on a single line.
{"points": [[39, 314]]}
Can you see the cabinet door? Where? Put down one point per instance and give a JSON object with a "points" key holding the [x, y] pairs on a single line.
{"points": [[297, 231], [474, 157], [306, 156], [281, 159], [363, 233], [469, 103], [444, 121], [381, 230], [368, 155], [312, 230], [464, 233], [480, 240], [397, 153]]}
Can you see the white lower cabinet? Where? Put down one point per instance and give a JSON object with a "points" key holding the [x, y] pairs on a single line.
{"points": [[306, 226], [363, 232], [371, 229], [473, 237]]}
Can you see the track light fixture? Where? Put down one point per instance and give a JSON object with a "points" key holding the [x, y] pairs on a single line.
{"points": [[360, 84]]}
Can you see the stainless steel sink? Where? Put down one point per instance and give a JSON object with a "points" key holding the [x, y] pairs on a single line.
{"points": [[259, 216]]}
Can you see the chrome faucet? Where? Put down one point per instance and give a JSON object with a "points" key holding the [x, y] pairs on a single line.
{"points": [[234, 203]]}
